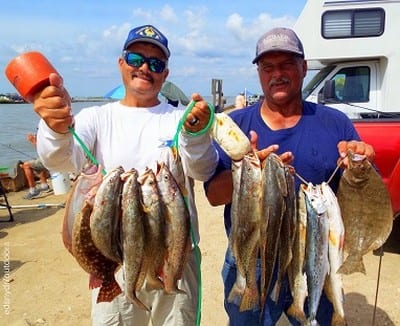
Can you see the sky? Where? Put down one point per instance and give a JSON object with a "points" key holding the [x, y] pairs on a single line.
{"points": [[83, 39]]}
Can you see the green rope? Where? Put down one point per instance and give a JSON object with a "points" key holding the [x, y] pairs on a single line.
{"points": [[183, 119], [85, 149], [194, 243]]}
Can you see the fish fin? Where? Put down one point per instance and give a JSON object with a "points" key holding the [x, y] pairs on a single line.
{"points": [[352, 264], [108, 292], [297, 313], [250, 299], [311, 322], [135, 300], [94, 282], [338, 320], [170, 283], [236, 294], [276, 291], [171, 286]]}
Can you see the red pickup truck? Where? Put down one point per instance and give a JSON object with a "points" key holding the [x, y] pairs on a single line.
{"points": [[384, 136]]}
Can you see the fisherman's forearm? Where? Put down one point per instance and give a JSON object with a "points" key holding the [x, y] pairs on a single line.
{"points": [[219, 190]]}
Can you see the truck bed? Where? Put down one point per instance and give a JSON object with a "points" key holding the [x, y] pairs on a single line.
{"points": [[384, 136]]}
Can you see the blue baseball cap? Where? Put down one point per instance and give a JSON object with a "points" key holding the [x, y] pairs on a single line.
{"points": [[149, 34], [279, 39]]}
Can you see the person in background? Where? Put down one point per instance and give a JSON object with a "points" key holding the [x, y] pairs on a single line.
{"points": [[32, 168], [309, 136], [131, 133], [240, 101], [220, 108]]}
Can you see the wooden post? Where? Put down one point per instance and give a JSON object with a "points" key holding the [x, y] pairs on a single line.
{"points": [[216, 91]]}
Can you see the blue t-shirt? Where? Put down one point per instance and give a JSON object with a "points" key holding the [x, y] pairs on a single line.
{"points": [[313, 142]]}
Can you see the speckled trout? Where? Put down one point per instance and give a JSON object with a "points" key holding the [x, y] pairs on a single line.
{"points": [[177, 221], [154, 230], [274, 191], [316, 259], [366, 211], [132, 237], [244, 237], [296, 273], [105, 219], [287, 233], [333, 283]]}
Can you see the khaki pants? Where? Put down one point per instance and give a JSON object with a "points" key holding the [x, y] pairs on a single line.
{"points": [[179, 309]]}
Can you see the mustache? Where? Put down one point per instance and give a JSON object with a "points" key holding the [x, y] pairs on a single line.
{"points": [[143, 75], [280, 80]]}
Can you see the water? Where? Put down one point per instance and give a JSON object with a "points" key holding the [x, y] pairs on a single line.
{"points": [[19, 119]]}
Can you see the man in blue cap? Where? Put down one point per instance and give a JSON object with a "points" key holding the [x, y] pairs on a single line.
{"points": [[132, 133]]}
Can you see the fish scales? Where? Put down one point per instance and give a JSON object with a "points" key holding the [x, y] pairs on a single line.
{"points": [[287, 231], [366, 211], [177, 220], [333, 283], [105, 219], [296, 273], [91, 259], [133, 237], [274, 191], [245, 233], [240, 283], [154, 229], [170, 156], [316, 259]]}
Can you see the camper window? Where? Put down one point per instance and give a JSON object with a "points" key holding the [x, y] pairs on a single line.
{"points": [[352, 84], [353, 23]]}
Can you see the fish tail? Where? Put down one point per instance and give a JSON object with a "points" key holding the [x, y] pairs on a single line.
{"points": [[353, 263], [171, 285], [276, 291], [311, 322], [108, 292], [297, 312], [94, 282], [174, 290], [236, 294], [135, 300], [338, 320], [250, 299]]}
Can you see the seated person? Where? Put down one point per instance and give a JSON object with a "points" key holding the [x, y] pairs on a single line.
{"points": [[31, 169]]}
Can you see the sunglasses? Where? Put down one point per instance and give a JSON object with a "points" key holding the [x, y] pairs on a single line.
{"points": [[137, 60]]}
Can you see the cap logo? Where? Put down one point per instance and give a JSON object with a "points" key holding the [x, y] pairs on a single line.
{"points": [[148, 31], [276, 40]]}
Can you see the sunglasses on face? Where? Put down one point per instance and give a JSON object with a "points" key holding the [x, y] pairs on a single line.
{"points": [[137, 60]]}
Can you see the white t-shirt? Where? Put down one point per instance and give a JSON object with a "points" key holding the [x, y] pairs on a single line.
{"points": [[130, 137]]}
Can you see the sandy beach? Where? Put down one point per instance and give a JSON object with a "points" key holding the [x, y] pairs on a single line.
{"points": [[43, 285]]}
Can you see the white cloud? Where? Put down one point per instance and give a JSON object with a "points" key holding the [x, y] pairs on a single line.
{"points": [[261, 24], [139, 12], [206, 38], [168, 14]]}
